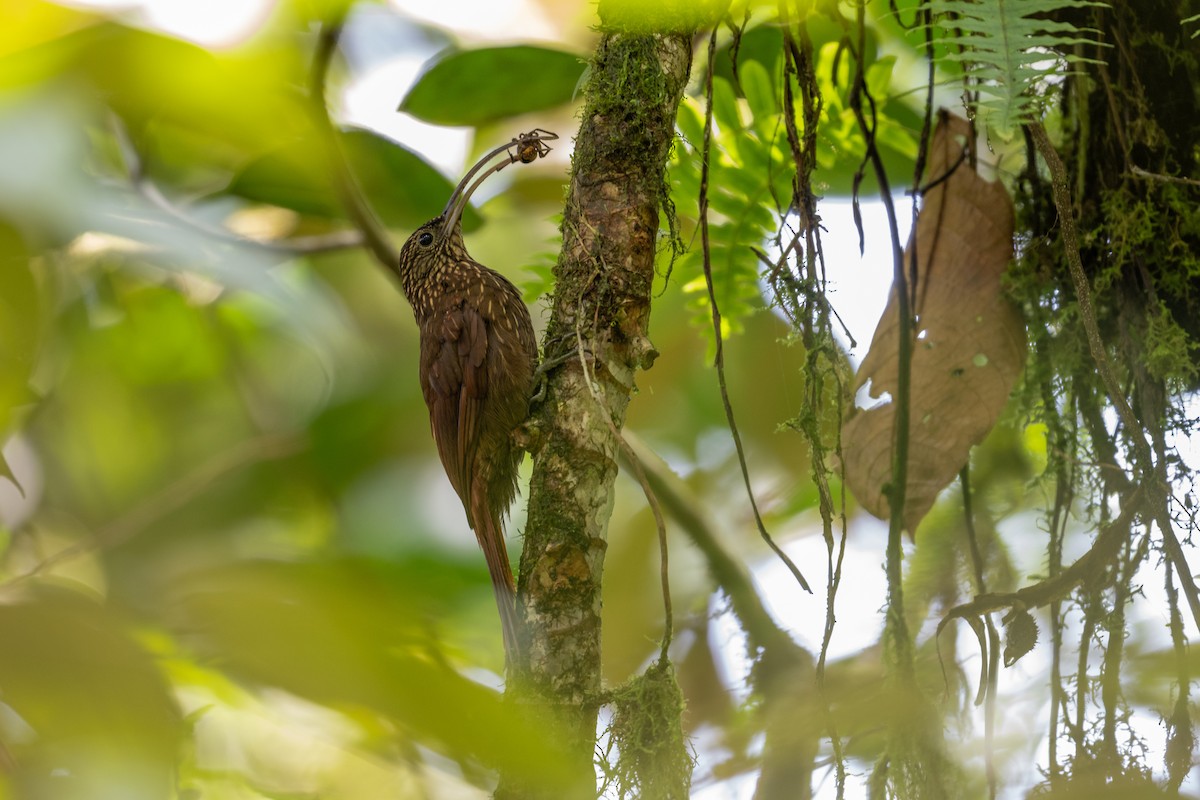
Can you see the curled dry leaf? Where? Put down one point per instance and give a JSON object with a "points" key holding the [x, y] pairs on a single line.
{"points": [[970, 338]]}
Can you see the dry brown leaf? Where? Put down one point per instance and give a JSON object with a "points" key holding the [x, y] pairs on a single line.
{"points": [[970, 344]]}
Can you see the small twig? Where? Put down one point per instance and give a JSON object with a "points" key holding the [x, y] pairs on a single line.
{"points": [[1077, 727], [1064, 493], [815, 325], [1104, 549], [1180, 738], [141, 181], [897, 626], [1083, 291], [1154, 176], [719, 361], [816, 297], [264, 448], [945, 176], [1114, 648], [375, 237]]}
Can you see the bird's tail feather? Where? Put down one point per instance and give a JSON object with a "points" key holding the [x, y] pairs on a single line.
{"points": [[490, 534]]}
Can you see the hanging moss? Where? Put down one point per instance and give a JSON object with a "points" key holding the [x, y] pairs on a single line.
{"points": [[1130, 126], [653, 760], [1170, 352]]}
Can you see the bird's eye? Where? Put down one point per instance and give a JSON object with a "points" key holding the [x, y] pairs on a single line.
{"points": [[426, 239]]}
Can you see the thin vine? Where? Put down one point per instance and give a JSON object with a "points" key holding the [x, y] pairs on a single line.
{"points": [[718, 335], [814, 321]]}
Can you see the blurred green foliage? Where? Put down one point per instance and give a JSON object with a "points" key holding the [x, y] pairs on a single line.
{"points": [[232, 506], [237, 569], [20, 329]]}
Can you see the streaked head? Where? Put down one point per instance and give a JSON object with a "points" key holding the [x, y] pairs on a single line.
{"points": [[433, 243]]}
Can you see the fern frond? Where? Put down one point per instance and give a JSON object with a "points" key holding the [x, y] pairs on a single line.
{"points": [[1009, 48], [748, 173]]}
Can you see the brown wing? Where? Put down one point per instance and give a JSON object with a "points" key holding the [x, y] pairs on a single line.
{"points": [[454, 349]]}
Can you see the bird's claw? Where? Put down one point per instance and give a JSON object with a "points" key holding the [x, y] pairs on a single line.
{"points": [[541, 374]]}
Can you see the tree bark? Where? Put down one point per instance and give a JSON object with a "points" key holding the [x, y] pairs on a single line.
{"points": [[601, 307]]}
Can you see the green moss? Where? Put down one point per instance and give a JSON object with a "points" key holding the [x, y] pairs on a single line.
{"points": [[1127, 226], [653, 760], [1170, 351], [632, 98]]}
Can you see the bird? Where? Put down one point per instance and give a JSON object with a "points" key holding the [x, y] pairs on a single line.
{"points": [[478, 363]]}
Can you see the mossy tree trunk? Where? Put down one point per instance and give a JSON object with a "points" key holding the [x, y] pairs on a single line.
{"points": [[601, 307]]}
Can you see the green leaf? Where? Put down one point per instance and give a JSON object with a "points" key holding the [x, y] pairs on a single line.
{"points": [[29, 39], [403, 188], [640, 17], [760, 93], [762, 44], [746, 172], [725, 110], [243, 102], [879, 76], [471, 87]]}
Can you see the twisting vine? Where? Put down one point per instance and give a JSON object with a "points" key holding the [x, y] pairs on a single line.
{"points": [[915, 762], [897, 627], [813, 318], [1061, 444], [718, 335], [1180, 736]]}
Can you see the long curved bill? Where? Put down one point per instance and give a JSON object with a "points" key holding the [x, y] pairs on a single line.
{"points": [[526, 148]]}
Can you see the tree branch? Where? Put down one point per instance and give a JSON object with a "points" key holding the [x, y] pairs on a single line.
{"points": [[730, 574], [375, 236], [1088, 566], [632, 459], [784, 675], [604, 278]]}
